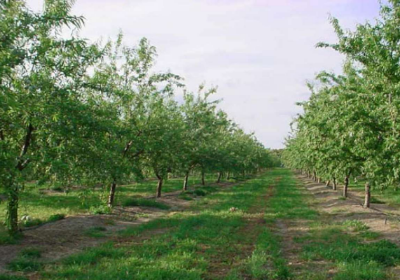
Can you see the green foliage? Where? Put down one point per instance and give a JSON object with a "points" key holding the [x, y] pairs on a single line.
{"points": [[350, 123], [83, 115]]}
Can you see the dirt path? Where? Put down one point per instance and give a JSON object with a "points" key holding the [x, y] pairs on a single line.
{"points": [[379, 218], [68, 236], [224, 262]]}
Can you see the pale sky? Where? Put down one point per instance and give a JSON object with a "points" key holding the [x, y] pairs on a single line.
{"points": [[259, 53]]}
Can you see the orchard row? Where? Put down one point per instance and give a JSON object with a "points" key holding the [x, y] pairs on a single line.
{"points": [[351, 123], [79, 113]]}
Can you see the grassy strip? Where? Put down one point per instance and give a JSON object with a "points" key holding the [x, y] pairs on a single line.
{"points": [[144, 202], [214, 242], [181, 246], [40, 204]]}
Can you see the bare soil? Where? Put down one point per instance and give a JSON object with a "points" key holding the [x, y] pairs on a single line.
{"points": [[380, 218], [68, 236]]}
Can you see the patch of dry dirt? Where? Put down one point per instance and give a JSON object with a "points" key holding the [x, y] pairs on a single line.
{"points": [[65, 237], [379, 218]]}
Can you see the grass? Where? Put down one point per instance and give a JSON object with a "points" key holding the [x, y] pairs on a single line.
{"points": [[210, 241], [46, 203], [354, 256], [390, 195], [96, 232], [145, 202], [355, 225], [28, 222], [185, 245], [27, 261]]}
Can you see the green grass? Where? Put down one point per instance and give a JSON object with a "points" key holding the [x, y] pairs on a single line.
{"points": [[390, 195], [353, 257], [34, 253], [27, 261], [28, 222], [210, 241], [46, 203], [145, 202], [359, 271], [96, 232], [12, 277], [185, 245], [355, 225]]}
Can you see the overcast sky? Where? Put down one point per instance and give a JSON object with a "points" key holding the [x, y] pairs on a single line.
{"points": [[258, 52]]}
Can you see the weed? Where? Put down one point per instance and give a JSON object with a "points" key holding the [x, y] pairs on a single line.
{"points": [[56, 217], [96, 232], [33, 253], [12, 277], [360, 270], [355, 225], [144, 202], [24, 264], [199, 192], [100, 210]]}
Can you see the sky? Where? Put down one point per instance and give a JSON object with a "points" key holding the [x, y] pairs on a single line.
{"points": [[260, 53]]}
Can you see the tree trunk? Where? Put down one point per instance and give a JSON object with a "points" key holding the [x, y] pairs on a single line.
{"points": [[367, 202], [315, 176], [219, 177], [13, 191], [327, 183], [228, 176], [111, 196], [203, 182], [346, 186], [334, 184], [12, 210], [185, 182], [319, 180], [159, 186]]}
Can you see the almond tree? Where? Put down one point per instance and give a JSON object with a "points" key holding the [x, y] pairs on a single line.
{"points": [[44, 114]]}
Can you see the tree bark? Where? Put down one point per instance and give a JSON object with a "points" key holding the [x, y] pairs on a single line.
{"points": [[12, 210], [367, 202], [219, 177], [228, 176], [315, 176], [185, 182], [111, 196], [346, 186], [334, 186], [203, 182], [327, 183], [319, 180], [13, 191], [159, 186]]}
